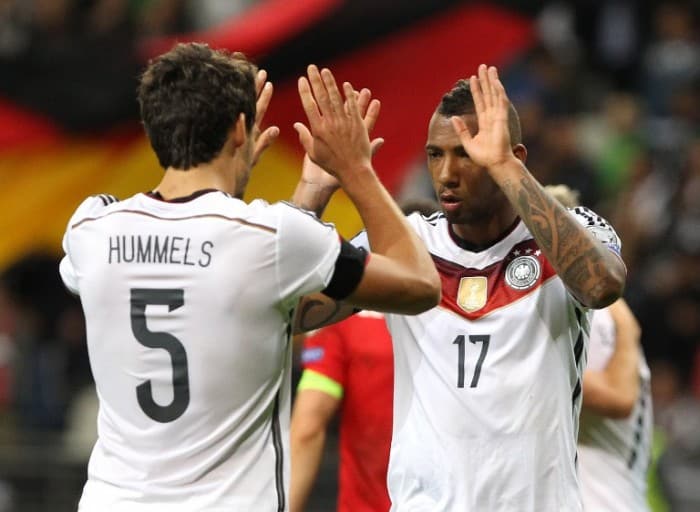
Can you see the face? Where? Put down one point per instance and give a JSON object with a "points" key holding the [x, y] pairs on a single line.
{"points": [[466, 192]]}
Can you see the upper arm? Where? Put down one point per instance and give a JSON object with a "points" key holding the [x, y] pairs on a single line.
{"points": [[313, 410], [594, 276], [91, 206], [386, 286], [307, 252]]}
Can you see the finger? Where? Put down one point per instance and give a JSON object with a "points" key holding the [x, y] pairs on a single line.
{"points": [[478, 97], [499, 90], [372, 114], [336, 100], [319, 90], [376, 145], [308, 102], [305, 137], [351, 100], [263, 102], [492, 73], [260, 78], [460, 127], [485, 85], [363, 99], [265, 140]]}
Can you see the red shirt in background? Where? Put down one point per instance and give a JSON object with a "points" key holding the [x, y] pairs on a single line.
{"points": [[357, 354]]}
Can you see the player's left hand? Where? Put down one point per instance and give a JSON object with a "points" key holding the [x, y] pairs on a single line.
{"points": [[491, 145], [312, 173], [263, 139]]}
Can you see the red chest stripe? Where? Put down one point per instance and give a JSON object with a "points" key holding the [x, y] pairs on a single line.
{"points": [[485, 290]]}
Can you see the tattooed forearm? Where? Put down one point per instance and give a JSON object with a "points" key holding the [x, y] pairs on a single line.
{"points": [[590, 271], [312, 197]]}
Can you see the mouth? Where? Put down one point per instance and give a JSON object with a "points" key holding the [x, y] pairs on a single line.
{"points": [[450, 202]]}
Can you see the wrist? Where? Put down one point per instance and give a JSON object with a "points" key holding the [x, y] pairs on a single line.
{"points": [[320, 185], [510, 165], [356, 178]]}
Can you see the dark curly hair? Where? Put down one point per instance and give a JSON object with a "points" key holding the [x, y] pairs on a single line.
{"points": [[190, 98], [459, 102]]}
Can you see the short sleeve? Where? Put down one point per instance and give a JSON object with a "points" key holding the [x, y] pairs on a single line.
{"points": [[91, 206], [307, 252], [361, 240], [601, 343], [324, 353], [599, 228]]}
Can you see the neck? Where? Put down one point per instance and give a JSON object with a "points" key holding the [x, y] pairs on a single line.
{"points": [[181, 183], [484, 232]]}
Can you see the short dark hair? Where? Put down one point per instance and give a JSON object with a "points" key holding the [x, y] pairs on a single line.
{"points": [[459, 102], [190, 98]]}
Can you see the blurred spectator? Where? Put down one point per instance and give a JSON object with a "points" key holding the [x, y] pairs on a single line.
{"points": [[623, 142], [45, 326], [672, 59], [678, 416], [75, 60]]}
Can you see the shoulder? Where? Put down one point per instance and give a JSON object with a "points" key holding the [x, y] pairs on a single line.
{"points": [[92, 207], [598, 226]]}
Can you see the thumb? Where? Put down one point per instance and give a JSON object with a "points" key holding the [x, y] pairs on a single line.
{"points": [[375, 145], [305, 137]]}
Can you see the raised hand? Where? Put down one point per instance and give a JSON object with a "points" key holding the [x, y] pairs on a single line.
{"points": [[337, 139], [491, 145], [311, 173], [262, 139]]}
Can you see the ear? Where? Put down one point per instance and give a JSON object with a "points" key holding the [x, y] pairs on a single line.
{"points": [[239, 133], [520, 152]]}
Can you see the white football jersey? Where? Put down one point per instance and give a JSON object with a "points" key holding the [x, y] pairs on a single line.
{"points": [[188, 306], [488, 384], [614, 454]]}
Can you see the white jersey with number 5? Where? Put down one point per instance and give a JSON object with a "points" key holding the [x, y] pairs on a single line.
{"points": [[488, 384], [187, 306], [614, 454]]}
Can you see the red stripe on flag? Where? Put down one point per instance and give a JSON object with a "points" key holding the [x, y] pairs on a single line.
{"points": [[409, 71]]}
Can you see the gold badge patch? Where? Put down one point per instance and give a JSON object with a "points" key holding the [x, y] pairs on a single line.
{"points": [[471, 295]]}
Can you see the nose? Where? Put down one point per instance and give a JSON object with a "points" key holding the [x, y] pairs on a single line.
{"points": [[448, 175]]}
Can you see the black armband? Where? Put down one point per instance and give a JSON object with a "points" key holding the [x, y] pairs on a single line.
{"points": [[349, 269]]}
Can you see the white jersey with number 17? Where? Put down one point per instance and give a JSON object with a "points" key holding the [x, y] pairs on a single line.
{"points": [[488, 384], [187, 307]]}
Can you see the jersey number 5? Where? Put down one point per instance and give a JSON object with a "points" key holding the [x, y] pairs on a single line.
{"points": [[460, 341], [173, 298]]}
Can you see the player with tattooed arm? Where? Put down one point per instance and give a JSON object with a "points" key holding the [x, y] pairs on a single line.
{"points": [[488, 384]]}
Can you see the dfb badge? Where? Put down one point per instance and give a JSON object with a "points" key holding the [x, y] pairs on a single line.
{"points": [[522, 272]]}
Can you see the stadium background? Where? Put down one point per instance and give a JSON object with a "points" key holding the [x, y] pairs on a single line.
{"points": [[609, 100]]}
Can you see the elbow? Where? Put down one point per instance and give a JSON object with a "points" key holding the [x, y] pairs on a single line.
{"points": [[622, 408], [607, 291], [427, 294]]}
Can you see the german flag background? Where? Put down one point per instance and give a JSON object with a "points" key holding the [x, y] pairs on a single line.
{"points": [[407, 53]]}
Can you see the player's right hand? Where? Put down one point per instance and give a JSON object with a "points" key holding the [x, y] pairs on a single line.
{"points": [[314, 174]]}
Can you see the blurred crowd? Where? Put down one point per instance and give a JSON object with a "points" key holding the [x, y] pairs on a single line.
{"points": [[609, 100]]}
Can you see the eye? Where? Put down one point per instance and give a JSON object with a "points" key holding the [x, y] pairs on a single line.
{"points": [[433, 153], [461, 153]]}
